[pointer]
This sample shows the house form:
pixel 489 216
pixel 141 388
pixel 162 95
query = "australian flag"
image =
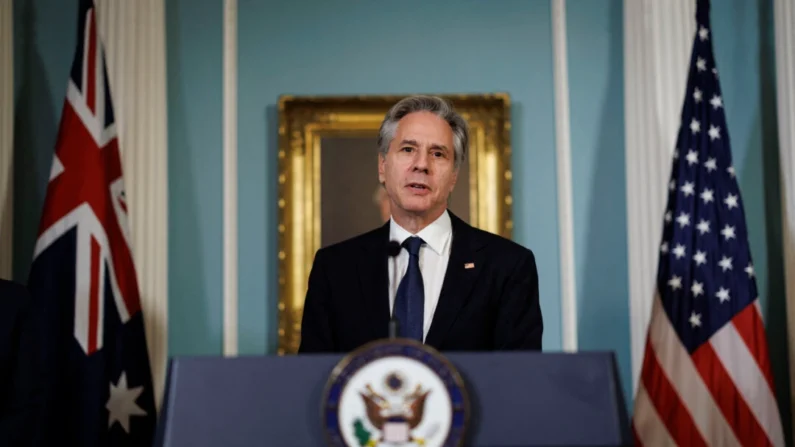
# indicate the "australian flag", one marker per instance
pixel 97 384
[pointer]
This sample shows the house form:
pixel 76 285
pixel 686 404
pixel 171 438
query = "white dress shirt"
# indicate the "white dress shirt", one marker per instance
pixel 434 254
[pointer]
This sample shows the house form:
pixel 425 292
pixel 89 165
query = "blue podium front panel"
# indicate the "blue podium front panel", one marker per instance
pixel 516 399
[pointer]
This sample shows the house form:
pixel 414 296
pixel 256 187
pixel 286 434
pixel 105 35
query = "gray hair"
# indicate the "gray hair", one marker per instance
pixel 438 106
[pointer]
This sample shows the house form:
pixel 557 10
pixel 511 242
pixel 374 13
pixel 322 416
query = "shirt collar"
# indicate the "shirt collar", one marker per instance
pixel 436 235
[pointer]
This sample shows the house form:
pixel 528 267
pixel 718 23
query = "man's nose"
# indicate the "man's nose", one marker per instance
pixel 421 161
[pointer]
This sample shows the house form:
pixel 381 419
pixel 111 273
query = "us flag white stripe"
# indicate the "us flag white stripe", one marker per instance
pixel 650 428
pixel 678 366
pixel 749 380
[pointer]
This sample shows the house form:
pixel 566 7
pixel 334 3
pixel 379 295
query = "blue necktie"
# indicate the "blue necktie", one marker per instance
pixel 410 298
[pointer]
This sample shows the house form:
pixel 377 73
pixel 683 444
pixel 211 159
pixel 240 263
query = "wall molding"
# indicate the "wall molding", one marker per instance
pixel 6 137
pixel 784 12
pixel 230 179
pixel 657 40
pixel 134 39
pixel 568 278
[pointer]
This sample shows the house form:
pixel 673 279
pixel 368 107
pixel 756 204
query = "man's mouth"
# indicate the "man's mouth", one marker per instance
pixel 418 186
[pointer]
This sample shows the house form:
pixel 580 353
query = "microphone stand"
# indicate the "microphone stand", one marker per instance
pixel 393 327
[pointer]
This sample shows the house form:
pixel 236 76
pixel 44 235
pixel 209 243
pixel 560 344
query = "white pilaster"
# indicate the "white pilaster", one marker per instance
pixel 135 46
pixel 784 12
pixel 6 136
pixel 230 178
pixel 657 40
pixel 568 279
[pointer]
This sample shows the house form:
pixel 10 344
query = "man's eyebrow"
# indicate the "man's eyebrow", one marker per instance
pixel 414 143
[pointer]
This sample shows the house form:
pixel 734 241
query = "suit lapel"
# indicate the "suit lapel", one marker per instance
pixel 373 275
pixel 462 270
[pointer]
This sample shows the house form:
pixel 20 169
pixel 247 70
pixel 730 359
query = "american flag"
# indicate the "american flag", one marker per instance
pixel 97 384
pixel 706 376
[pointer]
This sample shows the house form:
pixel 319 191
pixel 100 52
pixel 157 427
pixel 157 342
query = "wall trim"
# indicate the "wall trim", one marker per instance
pixel 568 284
pixel 784 13
pixel 230 179
pixel 6 137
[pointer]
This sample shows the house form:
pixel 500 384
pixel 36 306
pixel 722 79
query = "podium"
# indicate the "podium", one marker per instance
pixel 516 399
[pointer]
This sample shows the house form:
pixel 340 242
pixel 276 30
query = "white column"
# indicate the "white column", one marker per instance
pixel 135 46
pixel 568 278
pixel 6 135
pixel 785 78
pixel 657 40
pixel 230 178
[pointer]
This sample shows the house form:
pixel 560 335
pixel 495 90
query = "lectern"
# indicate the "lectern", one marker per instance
pixel 513 399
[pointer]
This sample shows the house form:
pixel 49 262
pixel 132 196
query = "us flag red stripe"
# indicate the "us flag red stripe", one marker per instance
pixel 706 376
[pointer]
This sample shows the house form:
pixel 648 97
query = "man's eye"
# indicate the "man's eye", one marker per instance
pixel 407 149
pixel 438 154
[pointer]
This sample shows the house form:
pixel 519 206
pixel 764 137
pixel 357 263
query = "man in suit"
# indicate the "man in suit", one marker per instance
pixel 451 286
pixel 19 357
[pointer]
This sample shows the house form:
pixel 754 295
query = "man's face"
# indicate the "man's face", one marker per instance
pixel 418 170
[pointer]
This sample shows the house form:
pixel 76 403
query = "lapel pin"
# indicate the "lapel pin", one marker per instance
pixel 469 265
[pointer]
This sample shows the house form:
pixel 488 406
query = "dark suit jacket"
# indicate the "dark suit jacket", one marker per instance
pixel 19 356
pixel 493 306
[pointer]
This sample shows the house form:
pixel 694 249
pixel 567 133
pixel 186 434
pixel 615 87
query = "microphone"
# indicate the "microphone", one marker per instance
pixel 393 250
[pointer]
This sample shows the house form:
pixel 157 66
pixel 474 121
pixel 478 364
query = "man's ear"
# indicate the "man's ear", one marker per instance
pixel 455 179
pixel 381 167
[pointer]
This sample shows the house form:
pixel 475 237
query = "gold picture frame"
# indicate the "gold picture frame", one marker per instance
pixel 344 123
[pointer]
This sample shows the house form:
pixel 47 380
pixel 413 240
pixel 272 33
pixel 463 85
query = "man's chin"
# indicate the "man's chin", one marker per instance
pixel 416 206
pixel 418 209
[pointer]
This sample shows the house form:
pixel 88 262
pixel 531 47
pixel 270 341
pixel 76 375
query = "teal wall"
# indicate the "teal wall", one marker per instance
pixel 443 46
pixel 194 34
pixel 596 96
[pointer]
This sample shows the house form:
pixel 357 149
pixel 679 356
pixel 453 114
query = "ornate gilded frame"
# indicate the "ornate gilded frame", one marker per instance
pixel 303 121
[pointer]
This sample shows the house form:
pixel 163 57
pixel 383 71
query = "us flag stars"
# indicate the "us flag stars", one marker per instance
pixel 704 232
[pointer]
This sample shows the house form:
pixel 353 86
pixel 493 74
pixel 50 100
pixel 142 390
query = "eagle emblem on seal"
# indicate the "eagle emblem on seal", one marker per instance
pixel 395 417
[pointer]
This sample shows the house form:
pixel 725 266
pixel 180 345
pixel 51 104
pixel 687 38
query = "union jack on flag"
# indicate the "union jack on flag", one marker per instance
pixel 706 376
pixel 98 385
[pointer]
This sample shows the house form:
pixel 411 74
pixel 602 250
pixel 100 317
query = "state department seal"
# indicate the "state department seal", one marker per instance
pixel 395 392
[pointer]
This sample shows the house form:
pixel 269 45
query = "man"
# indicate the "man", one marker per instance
pixel 19 356
pixel 451 286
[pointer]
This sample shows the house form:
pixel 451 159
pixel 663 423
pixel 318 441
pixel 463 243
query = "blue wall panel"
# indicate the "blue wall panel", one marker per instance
pixel 195 175
pixel 596 92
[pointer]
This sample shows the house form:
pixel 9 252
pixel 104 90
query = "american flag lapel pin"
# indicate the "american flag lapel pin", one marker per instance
pixel 469 265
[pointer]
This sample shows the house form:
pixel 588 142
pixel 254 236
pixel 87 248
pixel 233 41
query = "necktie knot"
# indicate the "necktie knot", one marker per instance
pixel 413 245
